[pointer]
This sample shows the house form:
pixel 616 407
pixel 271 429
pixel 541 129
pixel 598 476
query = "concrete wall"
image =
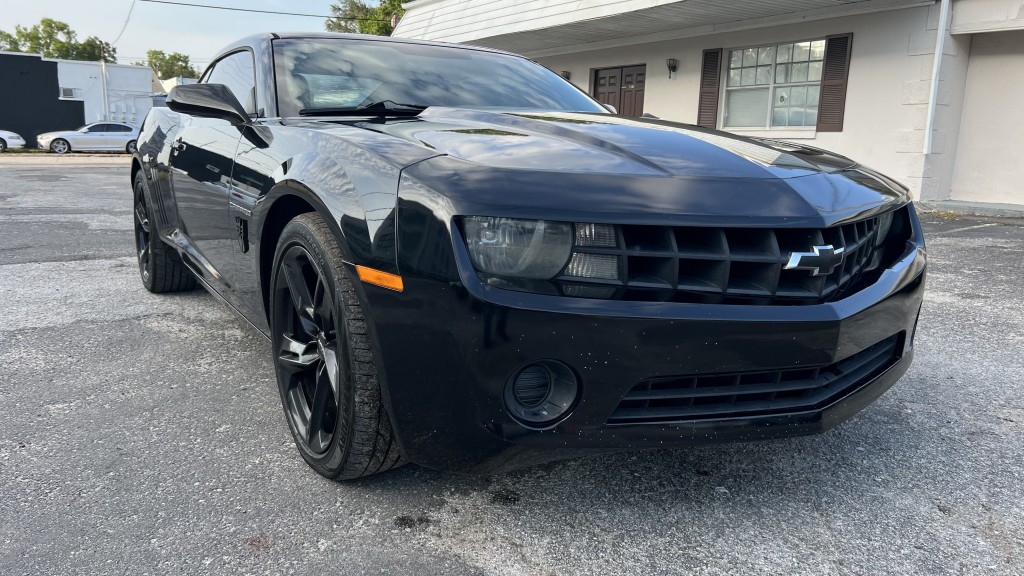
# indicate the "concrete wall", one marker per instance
pixel 990 159
pixel 887 98
pixel 129 90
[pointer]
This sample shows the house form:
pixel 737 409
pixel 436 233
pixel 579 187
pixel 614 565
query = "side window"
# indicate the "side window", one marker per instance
pixel 95 128
pixel 237 72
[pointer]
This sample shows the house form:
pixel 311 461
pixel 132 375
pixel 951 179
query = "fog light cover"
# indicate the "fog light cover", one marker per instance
pixel 600 266
pixel 597 235
pixel 541 393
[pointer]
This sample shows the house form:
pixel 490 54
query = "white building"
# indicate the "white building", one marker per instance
pixel 926 91
pixel 112 92
pixel 166 85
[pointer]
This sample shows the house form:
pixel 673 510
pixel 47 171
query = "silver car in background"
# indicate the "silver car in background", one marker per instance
pixel 96 136
pixel 10 140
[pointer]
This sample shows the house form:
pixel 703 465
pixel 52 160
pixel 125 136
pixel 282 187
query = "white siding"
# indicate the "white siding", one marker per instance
pixel 467 20
pixel 534 26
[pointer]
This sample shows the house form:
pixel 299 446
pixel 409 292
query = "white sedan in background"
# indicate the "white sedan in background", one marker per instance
pixel 96 136
pixel 10 140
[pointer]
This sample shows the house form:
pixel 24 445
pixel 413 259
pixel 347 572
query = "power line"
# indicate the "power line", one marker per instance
pixel 263 11
pixel 126 19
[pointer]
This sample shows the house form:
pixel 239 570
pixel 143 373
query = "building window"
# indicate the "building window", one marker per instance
pixel 774 86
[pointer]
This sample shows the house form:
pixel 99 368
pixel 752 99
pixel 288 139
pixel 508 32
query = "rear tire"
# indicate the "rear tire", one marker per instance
pixel 130 148
pixel 3 146
pixel 324 359
pixel 160 266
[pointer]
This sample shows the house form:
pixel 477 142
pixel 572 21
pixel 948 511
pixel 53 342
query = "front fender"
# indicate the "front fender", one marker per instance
pixel 354 190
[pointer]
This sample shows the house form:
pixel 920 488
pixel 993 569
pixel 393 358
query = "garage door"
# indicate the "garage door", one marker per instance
pixel 988 157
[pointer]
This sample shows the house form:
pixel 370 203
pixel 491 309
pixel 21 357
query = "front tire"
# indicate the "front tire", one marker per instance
pixel 60 146
pixel 160 267
pixel 325 364
pixel 3 146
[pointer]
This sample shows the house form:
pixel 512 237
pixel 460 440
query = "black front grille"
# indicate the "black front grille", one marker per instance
pixel 714 265
pixel 686 398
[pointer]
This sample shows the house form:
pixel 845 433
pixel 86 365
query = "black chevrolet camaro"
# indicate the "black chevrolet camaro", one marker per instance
pixel 463 261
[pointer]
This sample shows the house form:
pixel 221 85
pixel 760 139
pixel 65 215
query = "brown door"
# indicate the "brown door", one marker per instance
pixel 622 88
pixel 607 85
pixel 632 95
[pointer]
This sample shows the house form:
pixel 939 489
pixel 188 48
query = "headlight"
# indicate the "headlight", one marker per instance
pixel 512 247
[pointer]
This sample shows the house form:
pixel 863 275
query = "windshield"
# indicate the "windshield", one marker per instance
pixel 338 73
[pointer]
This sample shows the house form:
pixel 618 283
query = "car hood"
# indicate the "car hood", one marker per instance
pixel 604 143
pixel 624 169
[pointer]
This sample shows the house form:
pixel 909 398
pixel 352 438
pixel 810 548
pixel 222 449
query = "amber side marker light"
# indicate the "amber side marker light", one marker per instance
pixel 378 278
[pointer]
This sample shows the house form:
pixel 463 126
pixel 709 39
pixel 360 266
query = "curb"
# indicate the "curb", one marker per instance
pixel 962 208
pixel 65 160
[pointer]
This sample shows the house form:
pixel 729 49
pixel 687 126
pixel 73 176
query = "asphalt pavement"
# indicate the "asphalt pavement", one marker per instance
pixel 143 434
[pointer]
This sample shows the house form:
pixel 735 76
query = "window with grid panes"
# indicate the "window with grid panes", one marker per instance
pixel 775 86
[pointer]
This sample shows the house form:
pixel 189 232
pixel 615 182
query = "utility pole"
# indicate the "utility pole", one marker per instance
pixel 103 82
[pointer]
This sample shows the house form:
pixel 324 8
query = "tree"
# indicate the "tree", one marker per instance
pixel 170 65
pixel 349 9
pixel 9 42
pixel 92 48
pixel 55 39
pixel 355 16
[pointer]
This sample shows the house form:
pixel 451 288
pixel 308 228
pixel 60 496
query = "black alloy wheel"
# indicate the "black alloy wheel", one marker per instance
pixel 324 359
pixel 308 351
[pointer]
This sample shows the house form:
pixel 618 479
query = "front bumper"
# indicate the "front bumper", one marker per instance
pixel 449 348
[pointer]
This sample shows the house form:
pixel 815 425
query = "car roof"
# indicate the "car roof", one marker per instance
pixel 255 40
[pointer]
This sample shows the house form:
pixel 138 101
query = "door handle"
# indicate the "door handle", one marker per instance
pixel 178 145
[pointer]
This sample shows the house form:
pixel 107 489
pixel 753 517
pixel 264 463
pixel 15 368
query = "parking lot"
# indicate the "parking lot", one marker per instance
pixel 143 434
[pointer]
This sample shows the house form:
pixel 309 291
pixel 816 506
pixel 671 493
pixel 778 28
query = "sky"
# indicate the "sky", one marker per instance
pixel 198 32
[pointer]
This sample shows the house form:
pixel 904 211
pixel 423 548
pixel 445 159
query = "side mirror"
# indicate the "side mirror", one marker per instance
pixel 610 108
pixel 207 101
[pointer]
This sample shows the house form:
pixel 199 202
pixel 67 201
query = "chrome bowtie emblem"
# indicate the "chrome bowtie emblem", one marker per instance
pixel 821 261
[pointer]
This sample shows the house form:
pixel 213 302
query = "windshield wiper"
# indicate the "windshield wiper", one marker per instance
pixel 381 108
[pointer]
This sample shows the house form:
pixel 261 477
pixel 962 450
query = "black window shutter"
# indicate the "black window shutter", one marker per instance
pixel 710 82
pixel 834 79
